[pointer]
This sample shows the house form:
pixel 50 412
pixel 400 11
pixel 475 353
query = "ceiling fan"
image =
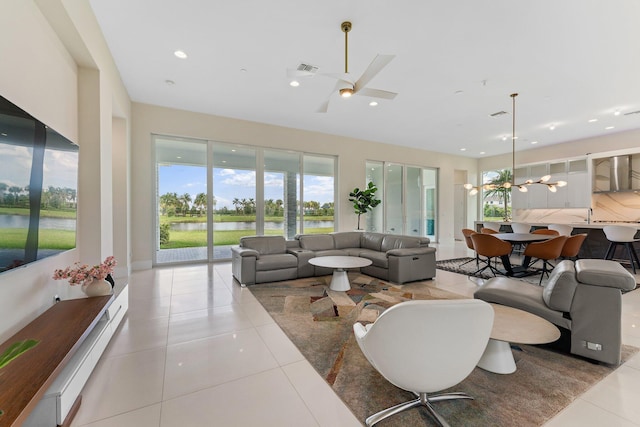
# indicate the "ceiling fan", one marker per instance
pixel 347 87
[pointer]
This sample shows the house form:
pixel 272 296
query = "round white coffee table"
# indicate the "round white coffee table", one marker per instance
pixel 340 280
pixel 511 325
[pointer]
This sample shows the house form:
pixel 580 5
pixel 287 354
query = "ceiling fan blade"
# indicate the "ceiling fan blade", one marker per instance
pixel 378 63
pixel 376 93
pixel 343 77
pixel 325 105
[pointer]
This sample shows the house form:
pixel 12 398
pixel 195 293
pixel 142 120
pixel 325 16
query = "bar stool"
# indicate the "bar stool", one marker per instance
pixel 520 227
pixel 495 226
pixel 622 235
pixel 563 229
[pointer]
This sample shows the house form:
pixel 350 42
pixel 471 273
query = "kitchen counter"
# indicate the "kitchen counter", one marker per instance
pixel 593 224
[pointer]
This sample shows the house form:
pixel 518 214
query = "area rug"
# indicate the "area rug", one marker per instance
pixel 461 266
pixel 319 322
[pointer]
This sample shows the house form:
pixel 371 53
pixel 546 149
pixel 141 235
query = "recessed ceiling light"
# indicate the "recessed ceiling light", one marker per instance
pixel 552 127
pixel 294 83
pixel 169 82
pixel 233 150
pixel 180 54
pixel 224 161
pixel 178 157
pixel 463 149
pixel 609 127
pixel 593 120
pixel 616 113
pixel 504 138
pixel 373 103
pixel 534 142
pixel 482 152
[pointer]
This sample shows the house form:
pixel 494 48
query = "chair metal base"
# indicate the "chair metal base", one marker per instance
pixel 423 400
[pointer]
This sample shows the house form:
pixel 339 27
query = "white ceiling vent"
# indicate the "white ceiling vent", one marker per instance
pixel 499 113
pixel 307 68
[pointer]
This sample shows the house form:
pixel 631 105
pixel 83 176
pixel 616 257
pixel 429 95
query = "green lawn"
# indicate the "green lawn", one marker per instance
pixel 15 238
pixel 233 218
pixel 190 239
pixel 69 214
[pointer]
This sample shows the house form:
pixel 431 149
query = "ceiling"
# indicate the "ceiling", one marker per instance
pixel 456 63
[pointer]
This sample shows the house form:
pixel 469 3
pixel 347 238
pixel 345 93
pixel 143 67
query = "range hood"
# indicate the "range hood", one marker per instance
pixel 616 174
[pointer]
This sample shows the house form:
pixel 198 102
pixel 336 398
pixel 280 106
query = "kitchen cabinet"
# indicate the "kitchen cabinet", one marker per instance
pixel 576 194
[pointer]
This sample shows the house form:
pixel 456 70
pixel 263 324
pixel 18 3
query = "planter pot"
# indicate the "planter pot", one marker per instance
pixel 96 288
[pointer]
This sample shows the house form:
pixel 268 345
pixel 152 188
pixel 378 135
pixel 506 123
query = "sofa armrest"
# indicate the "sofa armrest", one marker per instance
pixel 245 251
pixel 304 255
pixel 410 251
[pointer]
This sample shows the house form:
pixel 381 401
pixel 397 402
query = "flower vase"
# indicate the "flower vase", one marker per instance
pixel 97 287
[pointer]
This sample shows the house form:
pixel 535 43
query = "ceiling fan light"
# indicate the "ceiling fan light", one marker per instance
pixel 346 92
pixel 561 183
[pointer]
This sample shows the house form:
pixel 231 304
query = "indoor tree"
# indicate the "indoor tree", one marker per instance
pixel 364 200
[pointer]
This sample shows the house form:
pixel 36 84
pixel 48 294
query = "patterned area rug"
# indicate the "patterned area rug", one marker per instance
pixel 467 266
pixel 319 322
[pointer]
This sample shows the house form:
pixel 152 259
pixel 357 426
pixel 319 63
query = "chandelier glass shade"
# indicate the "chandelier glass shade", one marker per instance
pixel 522 187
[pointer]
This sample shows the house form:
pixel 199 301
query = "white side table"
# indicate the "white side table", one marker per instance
pixel 340 280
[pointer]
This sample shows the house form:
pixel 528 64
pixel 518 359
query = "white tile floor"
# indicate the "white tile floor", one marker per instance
pixel 196 349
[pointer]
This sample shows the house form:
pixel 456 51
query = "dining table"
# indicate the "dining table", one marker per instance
pixel 521 238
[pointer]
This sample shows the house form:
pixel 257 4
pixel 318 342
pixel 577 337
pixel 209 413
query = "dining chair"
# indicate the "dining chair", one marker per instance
pixel 563 229
pixel 425 360
pixel 572 246
pixel 467 232
pixel 545 252
pixel 490 247
pixel 545 231
pixel 625 236
pixel 484 230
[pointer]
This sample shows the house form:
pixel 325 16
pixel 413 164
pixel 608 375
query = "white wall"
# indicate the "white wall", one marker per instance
pixel 40 49
pixel 352 155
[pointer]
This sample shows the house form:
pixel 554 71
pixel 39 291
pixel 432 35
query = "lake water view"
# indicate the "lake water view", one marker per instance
pixel 248 225
pixel 22 221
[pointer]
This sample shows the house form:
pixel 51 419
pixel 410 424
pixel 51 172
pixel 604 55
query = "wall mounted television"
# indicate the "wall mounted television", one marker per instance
pixel 38 189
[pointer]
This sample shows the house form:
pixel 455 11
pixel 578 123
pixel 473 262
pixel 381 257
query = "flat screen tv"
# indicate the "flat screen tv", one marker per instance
pixel 38 189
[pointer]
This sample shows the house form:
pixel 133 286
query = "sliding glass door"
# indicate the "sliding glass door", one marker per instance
pixel 409 199
pixel 210 194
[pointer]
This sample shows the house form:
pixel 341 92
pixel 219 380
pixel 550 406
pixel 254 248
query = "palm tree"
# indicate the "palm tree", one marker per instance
pixel 200 202
pixel 502 193
pixel 185 199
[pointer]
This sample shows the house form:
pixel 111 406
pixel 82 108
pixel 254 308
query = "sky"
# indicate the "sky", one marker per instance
pixel 60 167
pixel 235 183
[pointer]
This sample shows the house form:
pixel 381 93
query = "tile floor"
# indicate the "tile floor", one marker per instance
pixel 196 349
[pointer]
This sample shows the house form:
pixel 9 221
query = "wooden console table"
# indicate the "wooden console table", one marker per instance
pixel 61 332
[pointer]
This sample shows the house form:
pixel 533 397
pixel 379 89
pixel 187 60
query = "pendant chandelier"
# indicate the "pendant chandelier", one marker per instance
pixel 523 187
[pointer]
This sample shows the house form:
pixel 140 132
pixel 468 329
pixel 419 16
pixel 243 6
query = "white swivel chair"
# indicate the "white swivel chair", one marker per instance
pixel 426 346
pixel 520 227
pixel 622 235
pixel 495 226
pixel 563 229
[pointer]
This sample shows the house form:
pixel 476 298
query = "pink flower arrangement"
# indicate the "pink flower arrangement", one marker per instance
pixel 83 274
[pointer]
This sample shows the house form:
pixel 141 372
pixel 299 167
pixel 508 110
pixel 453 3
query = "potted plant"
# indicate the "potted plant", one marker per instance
pixel 364 200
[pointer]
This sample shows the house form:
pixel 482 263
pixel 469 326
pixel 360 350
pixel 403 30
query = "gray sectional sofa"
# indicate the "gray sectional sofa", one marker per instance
pixel 399 259
pixel 583 299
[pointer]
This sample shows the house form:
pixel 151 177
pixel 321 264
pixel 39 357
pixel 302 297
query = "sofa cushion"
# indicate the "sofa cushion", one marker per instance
pixel 276 262
pixel 561 286
pixel 398 242
pixel 371 241
pixel 346 239
pixel 316 242
pixel 600 272
pixel 521 295
pixel 332 252
pixel 265 245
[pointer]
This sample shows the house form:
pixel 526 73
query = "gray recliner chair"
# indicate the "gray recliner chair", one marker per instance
pixel 584 299
pixel 263 259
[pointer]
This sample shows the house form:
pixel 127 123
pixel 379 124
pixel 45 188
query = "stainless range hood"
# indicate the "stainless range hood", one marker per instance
pixel 616 174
